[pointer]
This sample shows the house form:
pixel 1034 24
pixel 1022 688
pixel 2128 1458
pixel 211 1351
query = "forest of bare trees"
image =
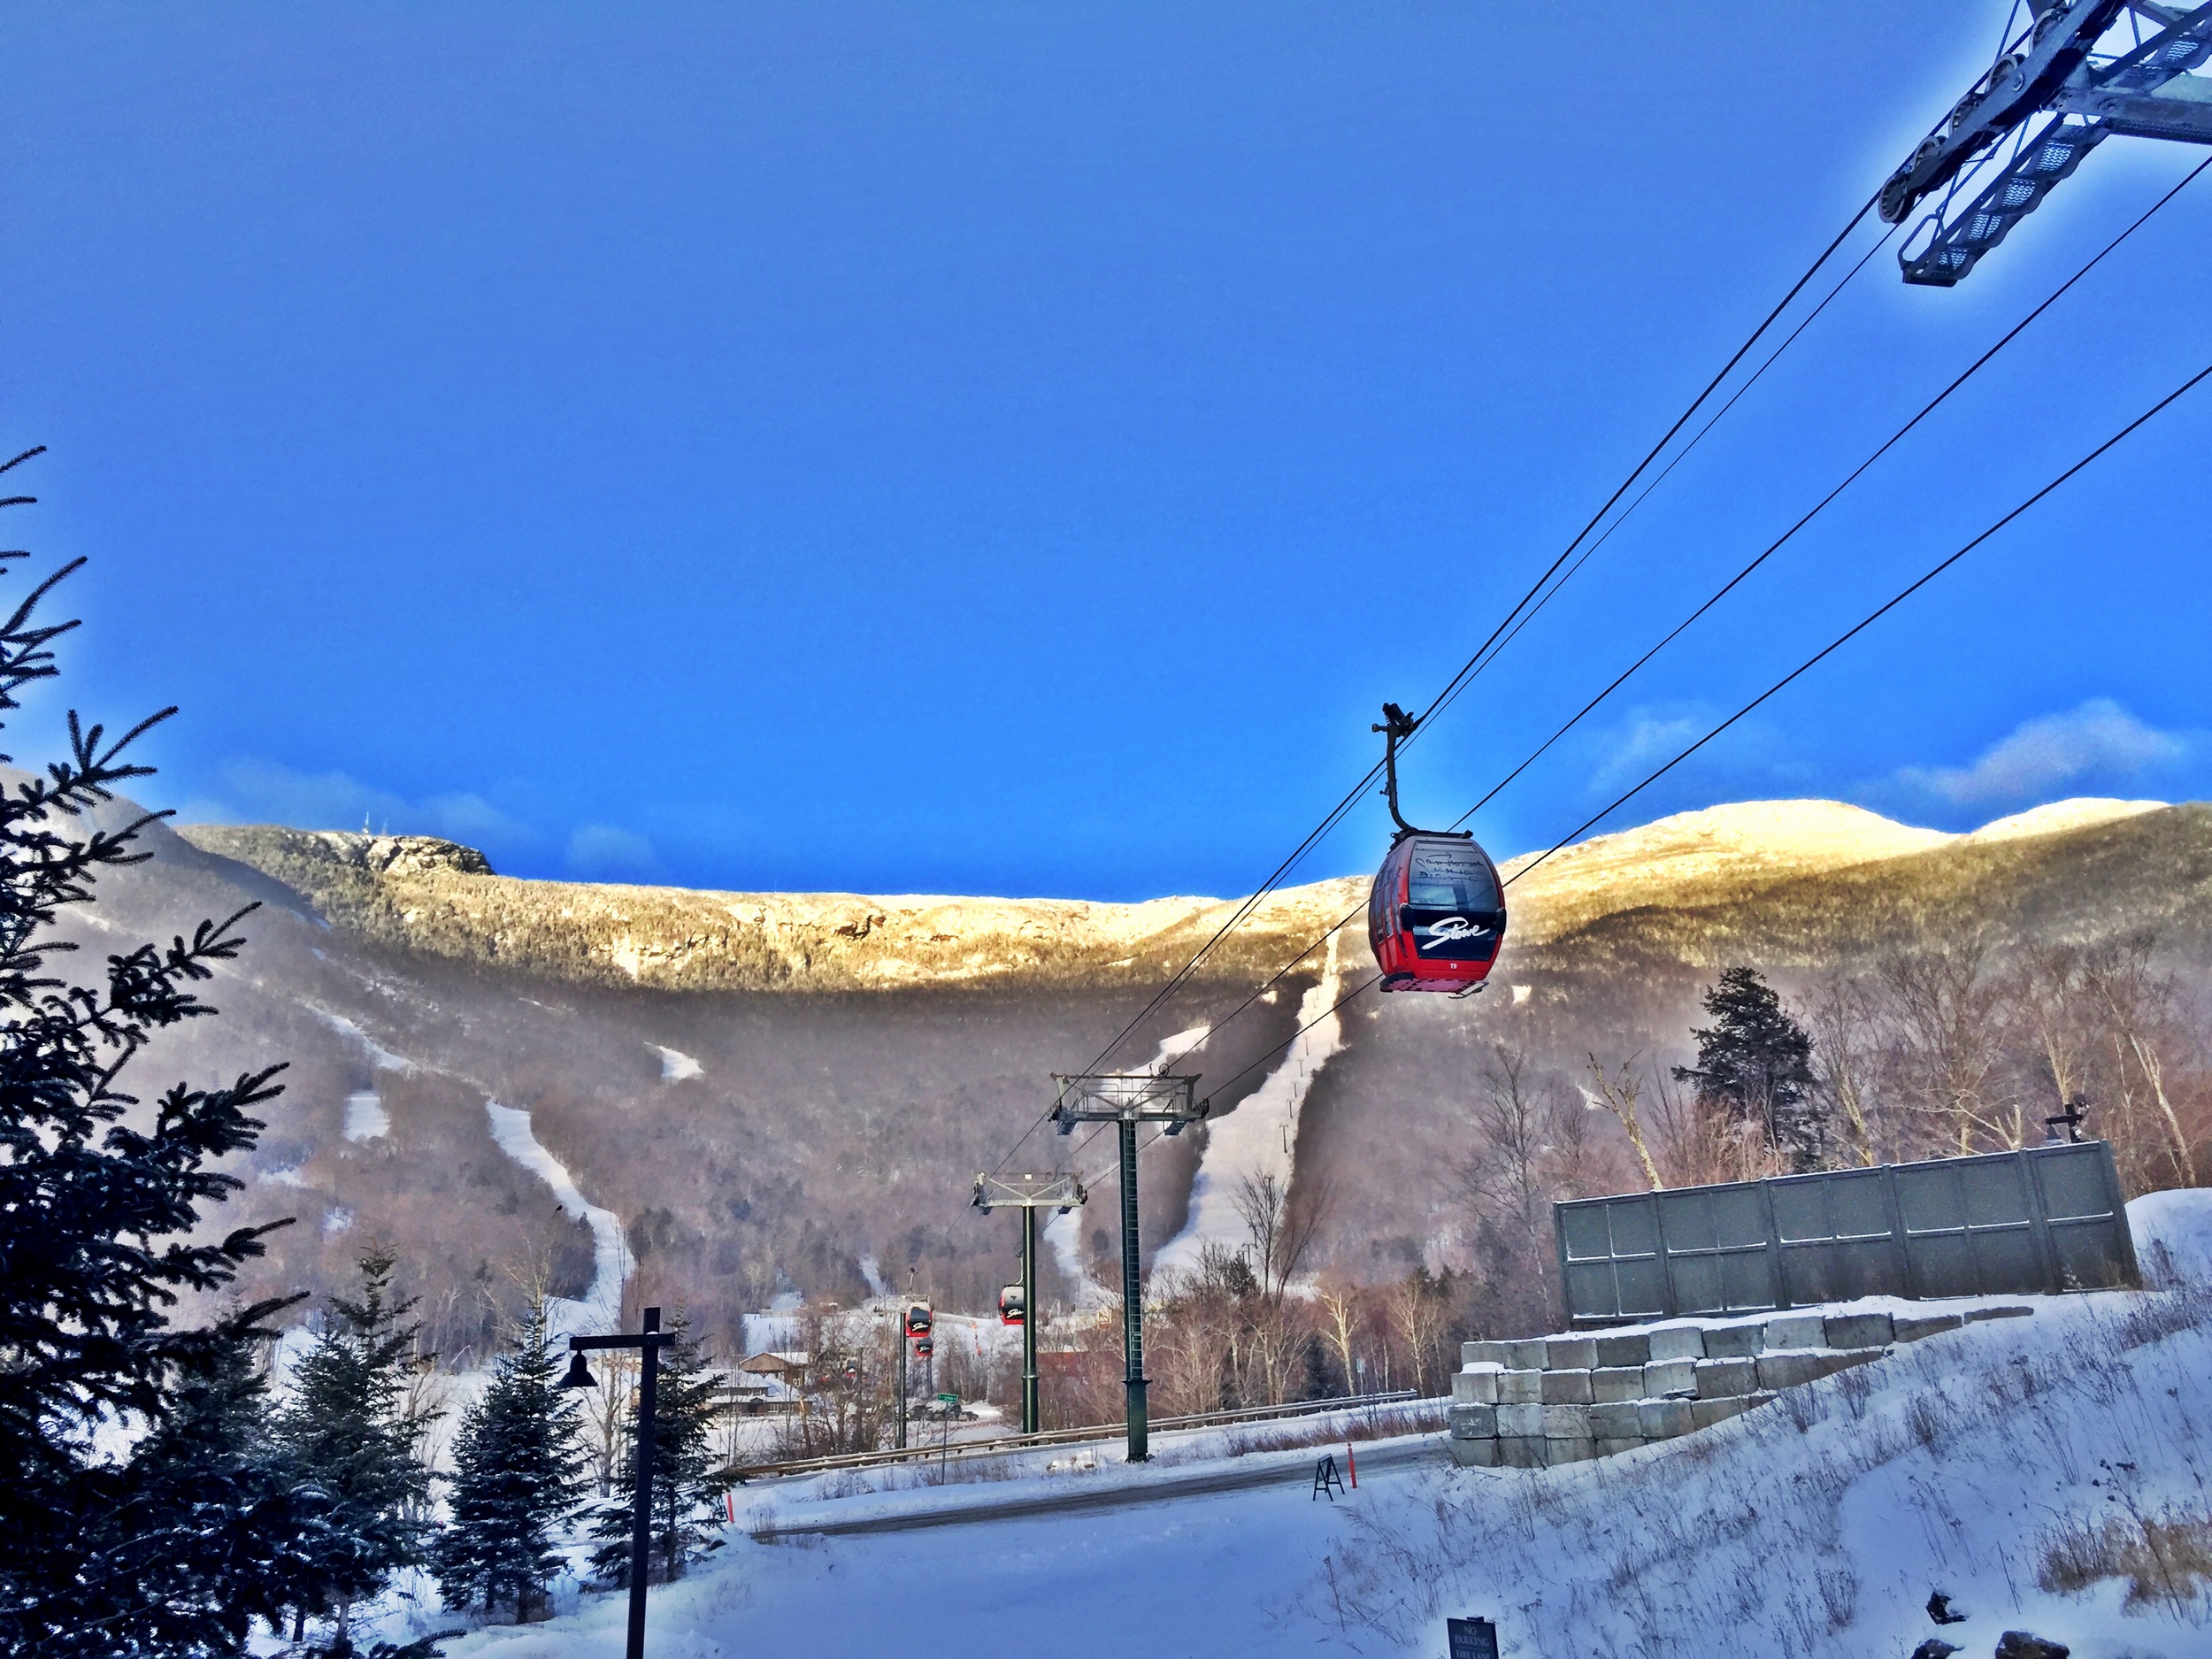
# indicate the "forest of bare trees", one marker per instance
pixel 1947 1050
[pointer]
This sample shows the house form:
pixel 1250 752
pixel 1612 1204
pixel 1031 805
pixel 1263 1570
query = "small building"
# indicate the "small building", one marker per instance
pixel 766 1385
pixel 783 1367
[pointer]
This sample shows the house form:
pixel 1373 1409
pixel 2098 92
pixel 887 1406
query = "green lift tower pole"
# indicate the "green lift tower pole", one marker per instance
pixel 1127 1099
pixel 898 1338
pixel 1030 1413
pixel 1132 1300
pixel 1029 1194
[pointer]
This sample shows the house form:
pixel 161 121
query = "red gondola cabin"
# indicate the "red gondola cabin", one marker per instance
pixel 1011 1309
pixel 923 1347
pixel 918 1320
pixel 1437 914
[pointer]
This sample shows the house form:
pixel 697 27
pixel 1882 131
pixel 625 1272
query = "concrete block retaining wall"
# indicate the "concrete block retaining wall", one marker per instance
pixel 1544 1400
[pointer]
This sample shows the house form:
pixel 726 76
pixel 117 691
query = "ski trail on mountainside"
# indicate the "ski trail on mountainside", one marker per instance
pixel 1261 1136
pixel 1063 1234
pixel 601 1304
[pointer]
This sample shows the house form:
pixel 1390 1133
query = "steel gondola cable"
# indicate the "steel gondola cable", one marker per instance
pixel 1673 461
pixel 1475 663
pixel 1795 674
pixel 1871 617
pixel 1744 572
pixel 1849 479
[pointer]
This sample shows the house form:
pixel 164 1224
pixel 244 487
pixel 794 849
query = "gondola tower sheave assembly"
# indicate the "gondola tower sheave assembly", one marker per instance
pixel 2077 72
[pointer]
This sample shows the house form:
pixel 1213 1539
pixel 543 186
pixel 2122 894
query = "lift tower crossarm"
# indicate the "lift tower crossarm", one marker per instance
pixel 2148 93
pixel 1127 1099
pixel 2145 92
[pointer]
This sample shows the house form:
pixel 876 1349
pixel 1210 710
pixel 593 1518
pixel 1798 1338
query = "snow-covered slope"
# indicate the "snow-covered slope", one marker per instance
pixel 2061 816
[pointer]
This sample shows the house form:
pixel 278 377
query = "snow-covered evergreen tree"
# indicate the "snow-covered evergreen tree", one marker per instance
pixel 517 1477
pixel 241 1533
pixel 687 1495
pixel 158 1549
pixel 347 1431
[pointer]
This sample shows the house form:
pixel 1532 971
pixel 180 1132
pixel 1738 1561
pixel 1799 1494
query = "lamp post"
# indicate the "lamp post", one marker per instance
pixel 649 1341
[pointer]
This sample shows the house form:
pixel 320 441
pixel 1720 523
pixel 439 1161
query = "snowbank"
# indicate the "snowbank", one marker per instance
pixel 1994 1463
pixel 2173 1236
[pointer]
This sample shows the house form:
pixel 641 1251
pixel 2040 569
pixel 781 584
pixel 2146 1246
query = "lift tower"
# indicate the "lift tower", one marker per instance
pixel 2077 72
pixel 1029 1194
pixel 1126 1099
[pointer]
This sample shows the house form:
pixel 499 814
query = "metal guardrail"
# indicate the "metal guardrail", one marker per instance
pixel 951 1450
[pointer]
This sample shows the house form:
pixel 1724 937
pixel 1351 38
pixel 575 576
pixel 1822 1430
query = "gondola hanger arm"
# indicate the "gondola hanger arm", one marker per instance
pixel 1398 724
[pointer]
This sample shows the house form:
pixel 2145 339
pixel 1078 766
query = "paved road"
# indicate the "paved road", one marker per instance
pixel 1393 1456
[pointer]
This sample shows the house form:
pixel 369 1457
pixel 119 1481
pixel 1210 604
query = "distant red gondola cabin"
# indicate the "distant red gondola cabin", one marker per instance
pixel 923 1347
pixel 1437 914
pixel 1011 1309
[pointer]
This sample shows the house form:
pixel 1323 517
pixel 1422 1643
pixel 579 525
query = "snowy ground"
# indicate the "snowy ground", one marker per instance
pixel 1815 1526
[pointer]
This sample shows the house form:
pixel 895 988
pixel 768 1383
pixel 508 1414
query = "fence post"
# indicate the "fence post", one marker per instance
pixel 2039 1220
pixel 1900 1242
pixel 1780 1284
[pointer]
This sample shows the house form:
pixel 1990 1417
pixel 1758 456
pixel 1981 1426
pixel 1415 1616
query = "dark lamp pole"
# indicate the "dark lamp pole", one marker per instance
pixel 649 1341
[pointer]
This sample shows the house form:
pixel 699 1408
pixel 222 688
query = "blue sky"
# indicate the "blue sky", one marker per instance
pixel 1014 449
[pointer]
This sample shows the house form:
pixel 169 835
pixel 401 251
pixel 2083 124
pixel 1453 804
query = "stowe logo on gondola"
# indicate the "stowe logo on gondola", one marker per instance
pixel 1452 936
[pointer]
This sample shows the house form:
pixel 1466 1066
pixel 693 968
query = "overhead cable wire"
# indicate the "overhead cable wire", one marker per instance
pixel 1872 617
pixel 1741 575
pixel 1474 663
pixel 1852 477
pixel 1795 674
pixel 1676 460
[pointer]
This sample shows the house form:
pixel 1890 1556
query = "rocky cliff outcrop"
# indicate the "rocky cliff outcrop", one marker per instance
pixel 418 894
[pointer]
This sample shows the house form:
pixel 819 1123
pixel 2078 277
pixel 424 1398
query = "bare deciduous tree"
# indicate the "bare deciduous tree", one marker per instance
pixel 1948 1014
pixel 1419 1306
pixel 1280 1225
pixel 1618 1095
pixel 2136 1003
pixel 1343 1313
pixel 1845 1025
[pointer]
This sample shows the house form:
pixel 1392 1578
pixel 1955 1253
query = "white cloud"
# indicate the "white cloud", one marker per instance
pixel 1648 741
pixel 2098 743
pixel 601 852
pixel 250 789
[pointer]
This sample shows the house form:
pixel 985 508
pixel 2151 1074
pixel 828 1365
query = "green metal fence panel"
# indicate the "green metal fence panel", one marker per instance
pixel 2045 1219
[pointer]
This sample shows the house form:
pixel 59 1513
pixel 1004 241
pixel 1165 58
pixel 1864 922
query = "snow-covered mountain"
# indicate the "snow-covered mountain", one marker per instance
pixel 766 1091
